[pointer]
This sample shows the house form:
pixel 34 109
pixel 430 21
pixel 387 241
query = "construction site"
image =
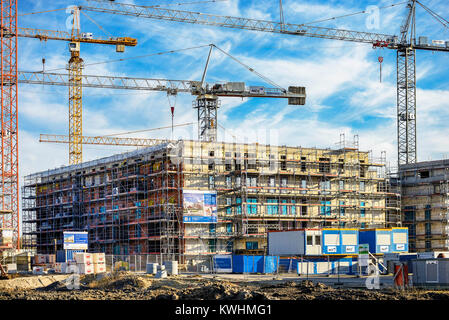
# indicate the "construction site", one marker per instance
pixel 136 203
pixel 211 218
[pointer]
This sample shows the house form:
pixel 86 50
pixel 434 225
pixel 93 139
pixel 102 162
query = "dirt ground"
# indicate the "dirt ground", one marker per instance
pixel 127 286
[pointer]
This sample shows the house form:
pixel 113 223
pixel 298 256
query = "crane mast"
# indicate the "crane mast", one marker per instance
pixel 406 90
pixel 9 166
pixel 75 68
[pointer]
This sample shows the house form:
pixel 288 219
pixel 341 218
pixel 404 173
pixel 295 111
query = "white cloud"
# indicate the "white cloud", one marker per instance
pixel 327 69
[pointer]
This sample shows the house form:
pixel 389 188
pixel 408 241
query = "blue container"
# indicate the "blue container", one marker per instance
pixel 379 240
pixel 399 240
pixel 254 264
pixel 340 241
pixel 66 255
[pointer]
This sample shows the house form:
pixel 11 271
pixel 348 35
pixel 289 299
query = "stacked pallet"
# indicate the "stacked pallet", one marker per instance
pixel 90 263
pixel 40 259
pixel 99 261
pixel 22 261
pixel 171 267
pixel 84 262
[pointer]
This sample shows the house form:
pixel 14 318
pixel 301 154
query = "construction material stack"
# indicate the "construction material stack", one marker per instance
pixel 6 238
pixel 43 262
pixel 152 268
pixel 99 262
pixel 171 267
pixel 84 262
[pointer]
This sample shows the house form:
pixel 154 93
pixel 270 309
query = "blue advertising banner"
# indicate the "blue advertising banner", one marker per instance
pixel 200 206
pixel 75 240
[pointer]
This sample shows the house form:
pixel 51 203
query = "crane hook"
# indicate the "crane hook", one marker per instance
pixel 380 59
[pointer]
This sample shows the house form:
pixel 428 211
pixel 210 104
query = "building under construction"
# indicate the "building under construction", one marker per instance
pixel 425 204
pixel 190 198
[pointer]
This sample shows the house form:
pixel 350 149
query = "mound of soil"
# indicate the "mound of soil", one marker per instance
pixel 220 291
pixel 128 286
pixel 121 281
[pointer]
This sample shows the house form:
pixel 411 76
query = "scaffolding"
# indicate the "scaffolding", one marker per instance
pixel 425 204
pixel 133 203
pixel 128 204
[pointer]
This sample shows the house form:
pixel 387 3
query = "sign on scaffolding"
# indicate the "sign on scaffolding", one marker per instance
pixel 74 240
pixel 199 206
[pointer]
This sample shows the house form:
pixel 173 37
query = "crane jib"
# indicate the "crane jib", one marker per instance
pixel 295 94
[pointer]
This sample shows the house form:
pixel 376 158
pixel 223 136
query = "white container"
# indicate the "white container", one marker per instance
pixel 171 267
pixel 83 258
pixel 152 268
pixel 294 242
pixel 98 257
pixel 99 267
pixel 85 268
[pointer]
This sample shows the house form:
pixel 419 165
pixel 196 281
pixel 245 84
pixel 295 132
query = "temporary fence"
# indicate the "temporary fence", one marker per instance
pixel 138 263
pixel 244 264
pixel 133 263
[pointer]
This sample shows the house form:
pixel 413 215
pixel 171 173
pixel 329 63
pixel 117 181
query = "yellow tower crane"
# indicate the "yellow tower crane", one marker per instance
pixel 75 67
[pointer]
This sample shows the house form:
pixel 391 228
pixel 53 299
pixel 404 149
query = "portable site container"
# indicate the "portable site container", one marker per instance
pixel 379 240
pixel 324 266
pixel 298 242
pixel 433 254
pixel 431 272
pixel 399 239
pixel 340 241
pixel 254 264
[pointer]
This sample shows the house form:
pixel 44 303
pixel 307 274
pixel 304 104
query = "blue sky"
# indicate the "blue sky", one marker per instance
pixel 342 78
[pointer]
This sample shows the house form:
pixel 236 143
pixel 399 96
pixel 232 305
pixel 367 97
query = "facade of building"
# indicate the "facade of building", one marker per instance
pixel 190 198
pixel 425 204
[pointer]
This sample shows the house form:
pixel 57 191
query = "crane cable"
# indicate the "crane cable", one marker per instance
pixel 167 4
pixel 183 3
pixel 102 29
pixel 155 6
pixel 138 57
pixel 25 14
pixel 146 130
pixel 249 68
pixel 352 14
pixel 435 15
